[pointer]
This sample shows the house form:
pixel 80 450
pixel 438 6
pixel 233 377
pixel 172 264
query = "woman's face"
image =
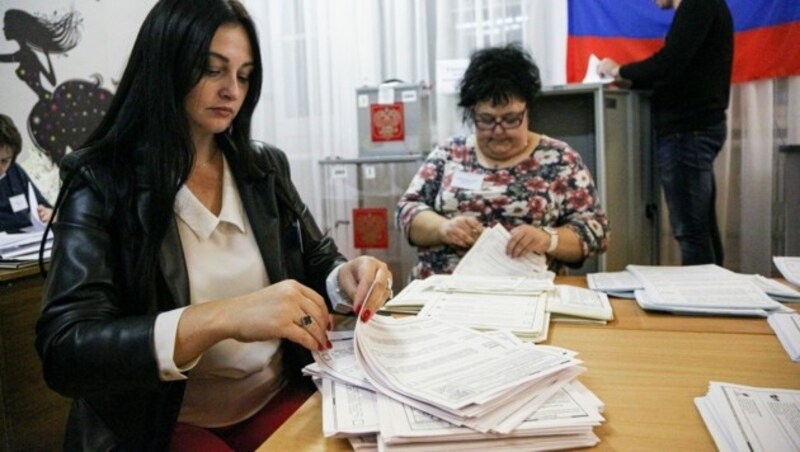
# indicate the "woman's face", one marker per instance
pixel 215 101
pixel 501 130
pixel 6 158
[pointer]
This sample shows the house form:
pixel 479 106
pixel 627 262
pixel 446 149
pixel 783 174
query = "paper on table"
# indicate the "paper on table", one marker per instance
pixel 706 287
pixel 789 268
pixel 776 290
pixel 488 257
pixel 347 410
pixel 592 76
pixel 580 302
pixel 524 315
pixel 751 418
pixel 787 328
pixel 445 365
pixel 623 281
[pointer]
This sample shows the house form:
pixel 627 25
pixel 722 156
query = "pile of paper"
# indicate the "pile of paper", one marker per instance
pixel 617 284
pixel 424 384
pixel 22 249
pixel 751 419
pixel 789 268
pixel 624 284
pixel 787 328
pixel 572 304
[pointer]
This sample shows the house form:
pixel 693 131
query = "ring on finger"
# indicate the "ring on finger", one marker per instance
pixel 305 321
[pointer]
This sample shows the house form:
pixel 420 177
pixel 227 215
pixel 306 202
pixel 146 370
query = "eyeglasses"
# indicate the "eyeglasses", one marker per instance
pixel 507 122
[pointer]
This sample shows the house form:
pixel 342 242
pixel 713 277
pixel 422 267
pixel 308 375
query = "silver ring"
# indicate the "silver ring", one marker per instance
pixel 306 320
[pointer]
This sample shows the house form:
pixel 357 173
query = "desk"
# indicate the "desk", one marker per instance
pixel 648 379
pixel 32 417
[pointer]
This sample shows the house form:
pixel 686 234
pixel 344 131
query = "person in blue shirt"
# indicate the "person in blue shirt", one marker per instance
pixel 14 208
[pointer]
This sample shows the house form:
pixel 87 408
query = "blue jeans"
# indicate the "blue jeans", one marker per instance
pixel 685 160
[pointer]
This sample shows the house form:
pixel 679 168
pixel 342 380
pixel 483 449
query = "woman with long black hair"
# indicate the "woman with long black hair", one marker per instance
pixel 185 268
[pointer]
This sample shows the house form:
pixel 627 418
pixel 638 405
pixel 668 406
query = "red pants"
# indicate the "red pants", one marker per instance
pixel 247 435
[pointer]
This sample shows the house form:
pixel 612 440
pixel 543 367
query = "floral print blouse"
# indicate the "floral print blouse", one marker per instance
pixel 552 187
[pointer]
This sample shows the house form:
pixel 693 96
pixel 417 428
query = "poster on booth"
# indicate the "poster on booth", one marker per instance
pixel 370 228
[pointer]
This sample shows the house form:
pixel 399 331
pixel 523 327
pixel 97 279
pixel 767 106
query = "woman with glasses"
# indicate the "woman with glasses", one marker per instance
pixel 535 186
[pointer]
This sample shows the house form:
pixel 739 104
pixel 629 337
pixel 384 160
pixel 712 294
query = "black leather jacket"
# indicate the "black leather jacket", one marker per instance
pixel 95 334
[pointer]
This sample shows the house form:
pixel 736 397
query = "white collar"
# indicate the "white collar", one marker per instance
pixel 199 219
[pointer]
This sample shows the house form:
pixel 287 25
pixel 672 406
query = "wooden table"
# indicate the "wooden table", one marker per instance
pixel 32 417
pixel 647 368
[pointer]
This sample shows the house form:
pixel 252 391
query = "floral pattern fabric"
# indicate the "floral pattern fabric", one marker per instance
pixel 552 187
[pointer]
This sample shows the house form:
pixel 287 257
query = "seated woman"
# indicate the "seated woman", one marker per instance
pixel 15 213
pixel 535 186
pixel 188 279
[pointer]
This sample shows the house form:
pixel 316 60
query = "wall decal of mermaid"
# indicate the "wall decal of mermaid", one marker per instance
pixel 64 116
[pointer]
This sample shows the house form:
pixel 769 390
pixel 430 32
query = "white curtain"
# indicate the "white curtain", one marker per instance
pixel 317 52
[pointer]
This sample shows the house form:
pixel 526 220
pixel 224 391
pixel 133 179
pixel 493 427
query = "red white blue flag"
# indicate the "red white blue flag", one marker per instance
pixel 766 40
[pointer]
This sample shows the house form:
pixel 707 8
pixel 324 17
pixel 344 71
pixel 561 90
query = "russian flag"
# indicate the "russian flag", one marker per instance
pixel 766 39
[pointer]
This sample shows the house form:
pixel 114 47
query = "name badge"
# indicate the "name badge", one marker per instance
pixel 18 203
pixel 468 181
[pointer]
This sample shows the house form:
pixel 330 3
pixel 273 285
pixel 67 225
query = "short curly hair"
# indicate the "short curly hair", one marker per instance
pixel 499 75
pixel 9 136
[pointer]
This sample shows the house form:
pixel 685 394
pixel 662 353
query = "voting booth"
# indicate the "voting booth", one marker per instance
pixel 611 129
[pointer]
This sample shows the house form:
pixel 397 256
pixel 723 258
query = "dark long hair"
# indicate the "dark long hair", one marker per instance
pixel 147 127
pixel 499 74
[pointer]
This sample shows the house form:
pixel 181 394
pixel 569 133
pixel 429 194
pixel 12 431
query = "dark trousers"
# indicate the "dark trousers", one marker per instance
pixel 686 163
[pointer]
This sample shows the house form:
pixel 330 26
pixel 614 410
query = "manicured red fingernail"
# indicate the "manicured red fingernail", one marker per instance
pixel 322 348
pixel 330 326
pixel 357 309
pixel 330 346
pixel 366 315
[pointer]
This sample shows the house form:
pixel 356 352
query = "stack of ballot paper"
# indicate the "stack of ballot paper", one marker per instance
pixel 789 268
pixel 787 328
pixel 578 305
pixel 424 384
pixel 514 303
pixel 414 296
pixel 616 284
pixel 22 249
pixel 746 418
pixel 701 289
pixel 624 284
pixel 776 290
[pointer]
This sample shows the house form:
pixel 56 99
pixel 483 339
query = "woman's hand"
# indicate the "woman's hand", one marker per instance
pixel 286 309
pixel 44 213
pixel 527 239
pixel 368 282
pixel 461 232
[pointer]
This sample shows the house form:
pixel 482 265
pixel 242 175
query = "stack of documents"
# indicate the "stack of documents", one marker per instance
pixel 616 284
pixel 748 418
pixel 789 268
pixel 514 303
pixel 776 290
pixel 701 289
pixel 22 249
pixel 787 328
pixel 572 304
pixel 624 284
pixel 423 384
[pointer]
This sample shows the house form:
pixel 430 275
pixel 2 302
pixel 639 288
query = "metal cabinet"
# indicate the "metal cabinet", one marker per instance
pixel 369 183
